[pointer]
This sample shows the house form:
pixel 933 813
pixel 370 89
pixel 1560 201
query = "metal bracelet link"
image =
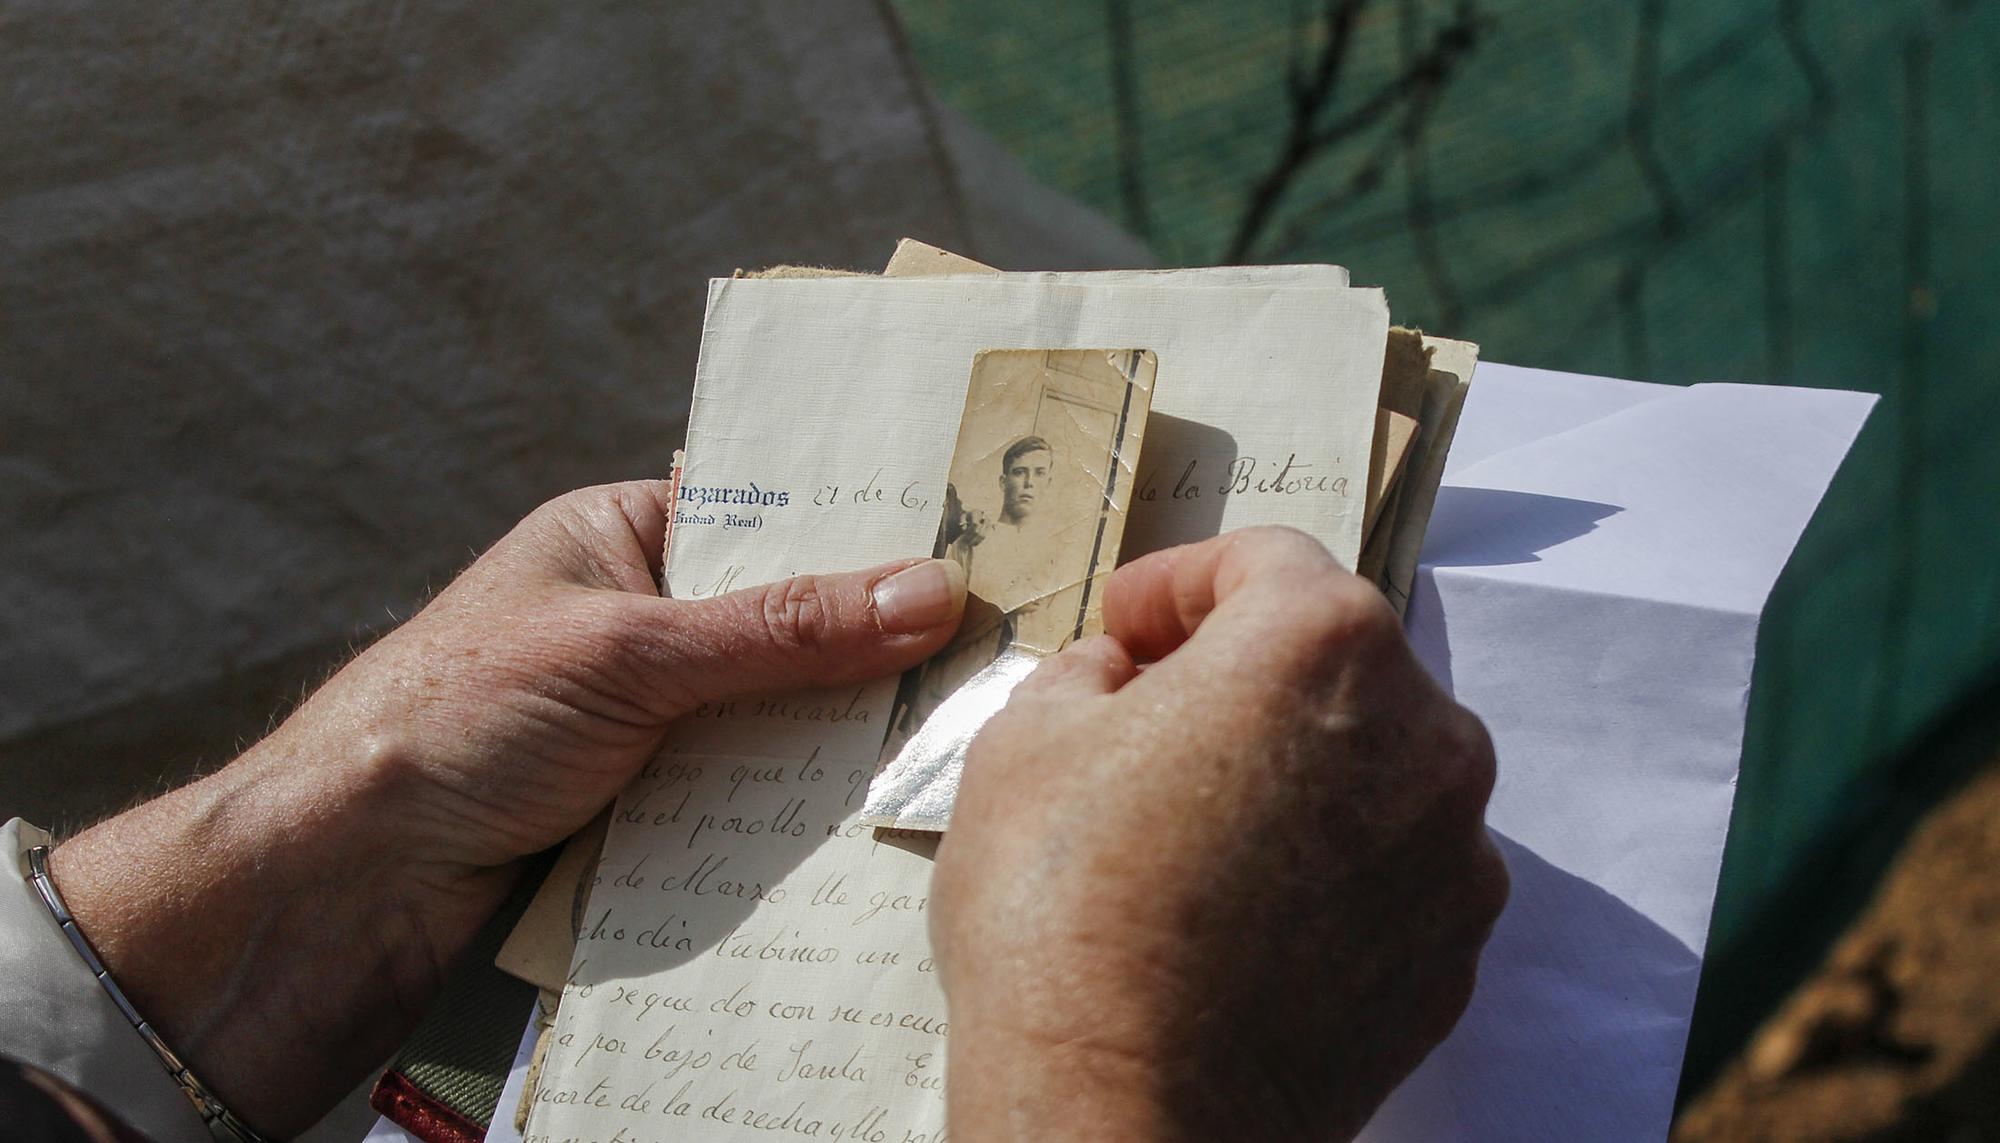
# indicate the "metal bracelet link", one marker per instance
pixel 222 1123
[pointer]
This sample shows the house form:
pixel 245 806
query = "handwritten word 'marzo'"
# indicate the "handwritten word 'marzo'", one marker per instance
pixel 701 496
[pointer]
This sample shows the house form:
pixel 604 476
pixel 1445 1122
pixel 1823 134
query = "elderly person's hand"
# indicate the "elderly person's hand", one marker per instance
pixel 284 920
pixel 1236 895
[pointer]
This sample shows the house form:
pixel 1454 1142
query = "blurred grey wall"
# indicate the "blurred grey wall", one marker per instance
pixel 301 306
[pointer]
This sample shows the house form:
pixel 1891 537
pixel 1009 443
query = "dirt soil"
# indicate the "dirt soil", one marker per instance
pixel 1897 1036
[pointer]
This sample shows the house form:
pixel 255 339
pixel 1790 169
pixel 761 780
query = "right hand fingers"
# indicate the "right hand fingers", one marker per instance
pixel 1267 592
pixel 1263 610
pixel 1096 666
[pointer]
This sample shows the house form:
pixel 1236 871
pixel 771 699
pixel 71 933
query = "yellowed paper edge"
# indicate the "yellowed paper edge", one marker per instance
pixel 1453 364
pixel 539 948
pixel 1395 433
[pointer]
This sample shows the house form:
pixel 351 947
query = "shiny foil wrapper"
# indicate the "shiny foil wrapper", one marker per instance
pixel 917 789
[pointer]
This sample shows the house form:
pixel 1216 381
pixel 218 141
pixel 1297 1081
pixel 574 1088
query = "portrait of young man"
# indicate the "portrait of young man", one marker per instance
pixel 1032 480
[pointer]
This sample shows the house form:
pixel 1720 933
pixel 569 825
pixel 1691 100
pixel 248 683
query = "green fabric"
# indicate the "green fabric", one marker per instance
pixel 461 1052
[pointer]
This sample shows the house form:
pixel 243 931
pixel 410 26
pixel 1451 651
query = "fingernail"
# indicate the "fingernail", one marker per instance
pixel 921 597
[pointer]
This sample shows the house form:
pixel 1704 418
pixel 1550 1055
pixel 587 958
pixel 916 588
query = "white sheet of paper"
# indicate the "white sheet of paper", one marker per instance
pixel 386 1130
pixel 751 959
pixel 917 259
pixel 1592 583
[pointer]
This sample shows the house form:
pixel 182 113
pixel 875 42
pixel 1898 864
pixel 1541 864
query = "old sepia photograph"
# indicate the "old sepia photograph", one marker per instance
pixel 1035 506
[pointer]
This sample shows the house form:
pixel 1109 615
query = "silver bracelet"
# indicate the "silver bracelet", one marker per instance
pixel 222 1123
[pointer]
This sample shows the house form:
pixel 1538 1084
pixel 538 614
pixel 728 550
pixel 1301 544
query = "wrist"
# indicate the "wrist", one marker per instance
pixel 1011 1086
pixel 257 920
pixel 1120 1052
pixel 1046 1062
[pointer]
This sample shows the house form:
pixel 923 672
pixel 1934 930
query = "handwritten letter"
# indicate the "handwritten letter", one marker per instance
pixel 753 962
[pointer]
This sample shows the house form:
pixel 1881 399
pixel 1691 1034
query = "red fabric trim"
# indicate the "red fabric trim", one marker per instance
pixel 411 1108
pixel 673 509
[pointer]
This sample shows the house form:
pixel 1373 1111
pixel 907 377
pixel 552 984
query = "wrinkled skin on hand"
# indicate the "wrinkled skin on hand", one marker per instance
pixel 285 920
pixel 534 687
pixel 1239 894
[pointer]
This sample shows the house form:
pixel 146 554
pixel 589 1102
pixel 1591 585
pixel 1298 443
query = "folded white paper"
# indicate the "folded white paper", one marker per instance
pixel 1591 587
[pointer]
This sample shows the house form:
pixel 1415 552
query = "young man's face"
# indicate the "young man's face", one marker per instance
pixel 1026 478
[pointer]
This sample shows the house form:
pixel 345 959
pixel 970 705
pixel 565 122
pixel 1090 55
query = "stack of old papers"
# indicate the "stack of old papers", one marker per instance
pixel 751 956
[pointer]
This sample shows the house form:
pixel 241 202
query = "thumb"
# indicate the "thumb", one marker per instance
pixel 807 631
